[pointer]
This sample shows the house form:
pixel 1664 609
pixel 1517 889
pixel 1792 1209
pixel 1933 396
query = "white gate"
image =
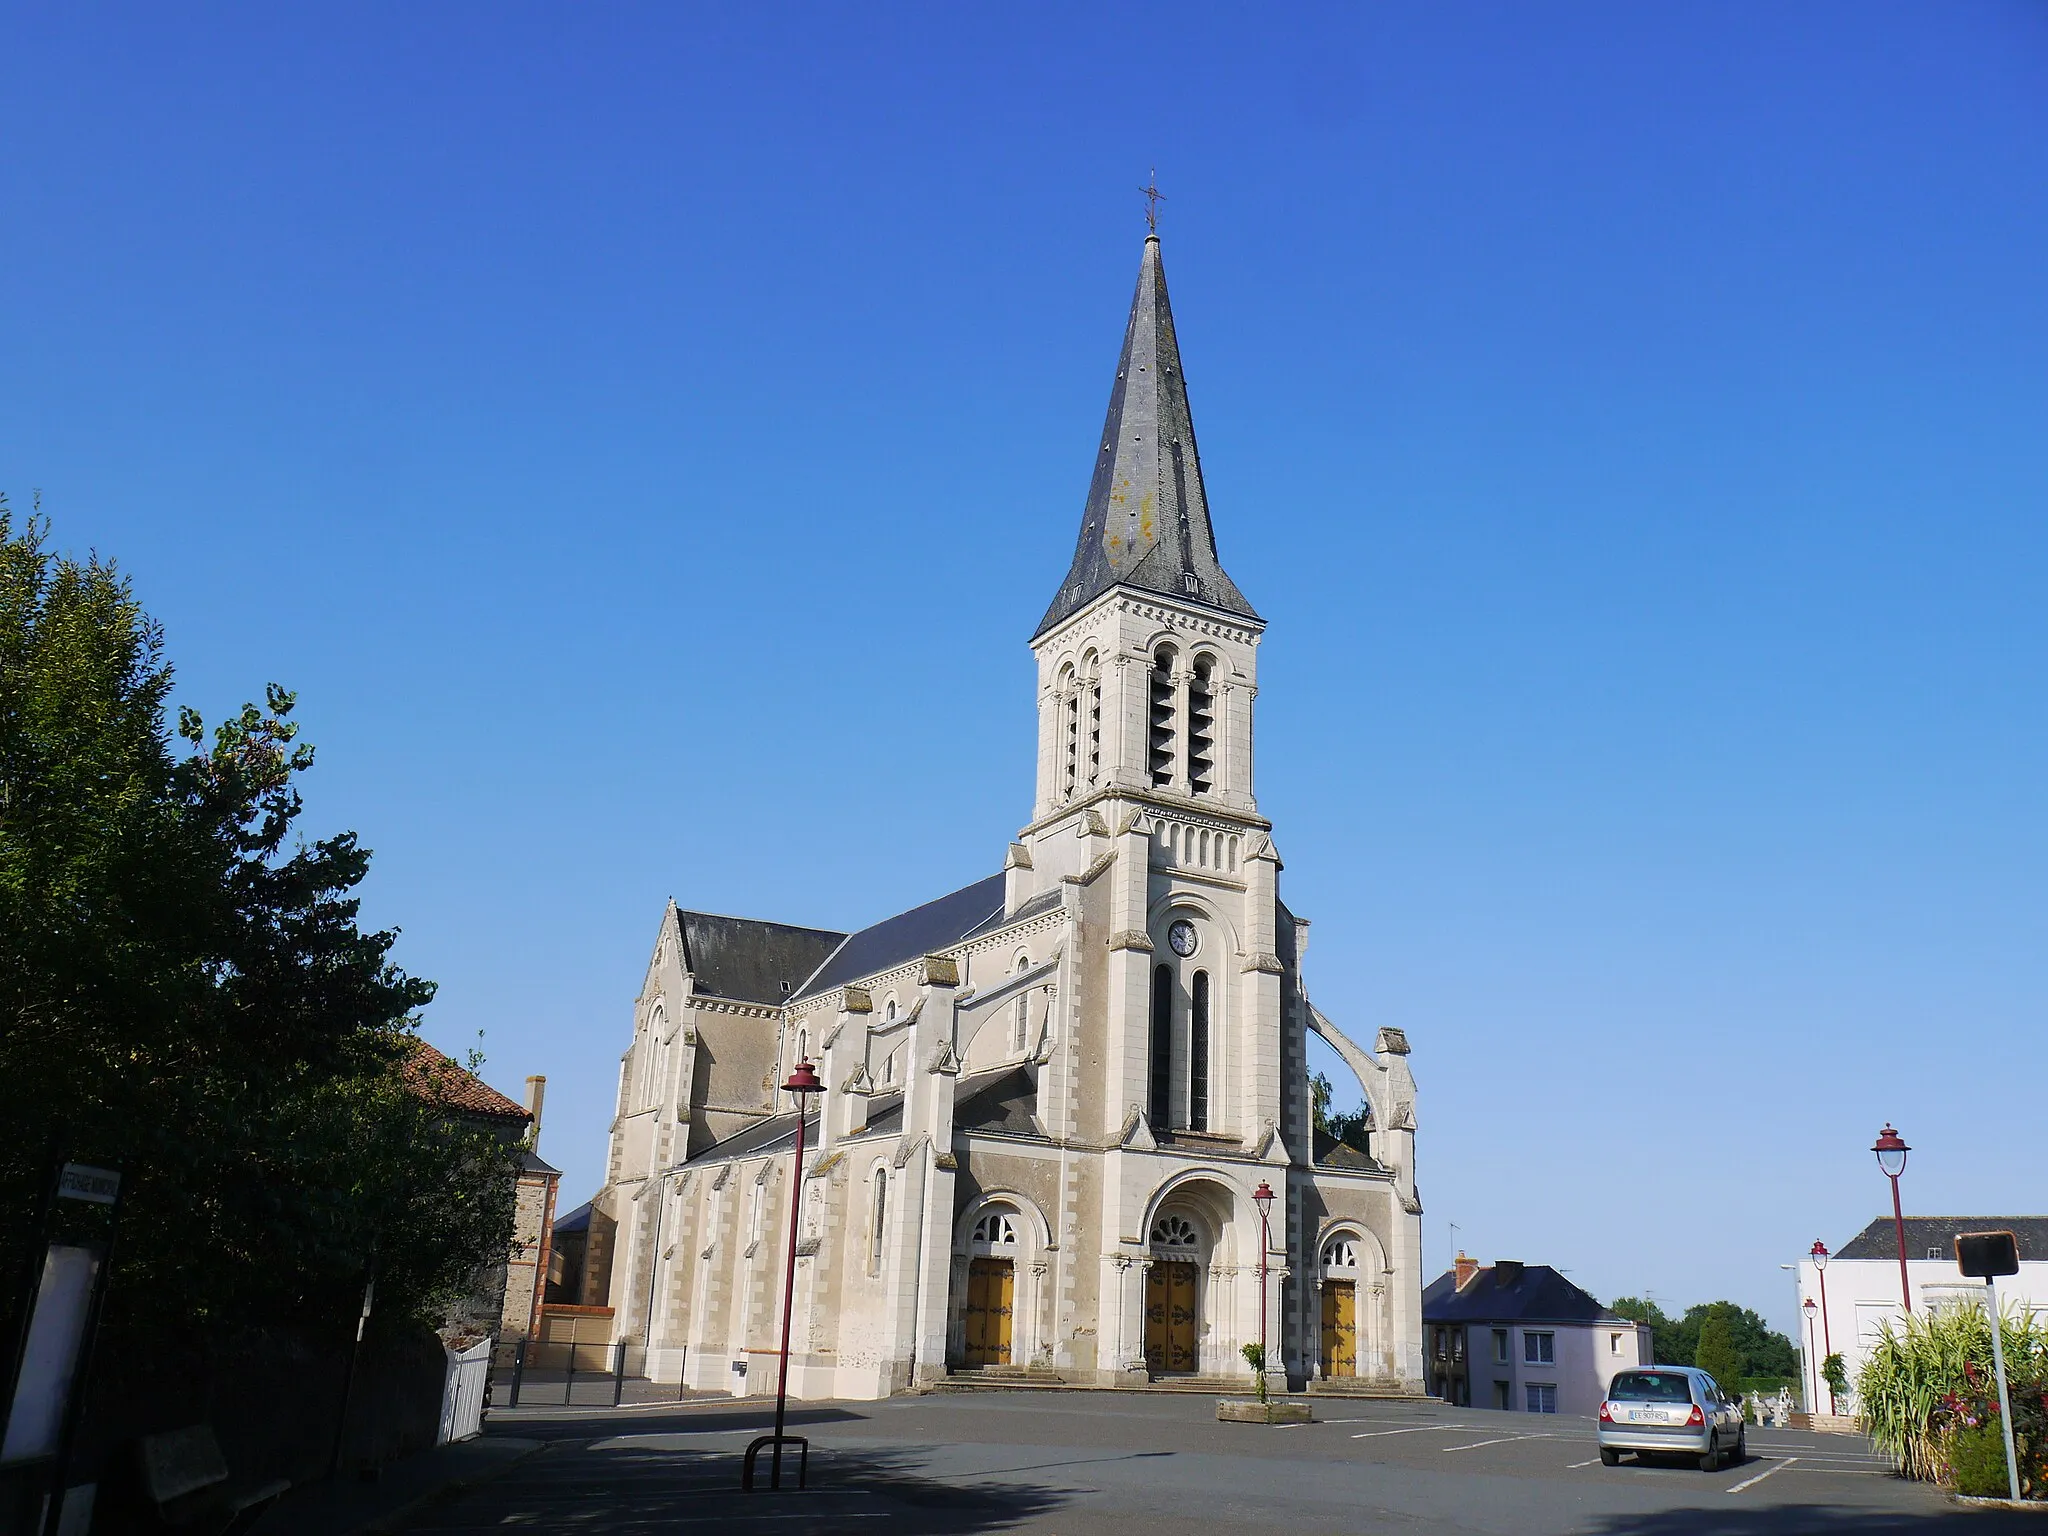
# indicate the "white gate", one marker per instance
pixel 462 1392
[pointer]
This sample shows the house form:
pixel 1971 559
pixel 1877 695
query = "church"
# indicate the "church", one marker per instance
pixel 1052 1096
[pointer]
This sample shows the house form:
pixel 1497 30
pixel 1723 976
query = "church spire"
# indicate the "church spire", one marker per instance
pixel 1147 520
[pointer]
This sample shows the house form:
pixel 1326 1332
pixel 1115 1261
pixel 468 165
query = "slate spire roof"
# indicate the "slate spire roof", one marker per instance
pixel 1147 519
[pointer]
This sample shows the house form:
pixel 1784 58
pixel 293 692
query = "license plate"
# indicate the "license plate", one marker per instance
pixel 1645 1416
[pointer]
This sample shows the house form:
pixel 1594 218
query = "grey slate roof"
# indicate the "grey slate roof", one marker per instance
pixel 749 960
pixel 777 1133
pixel 1001 1101
pixel 577 1220
pixel 936 925
pixel 1329 1152
pixel 1536 1294
pixel 1879 1241
pixel 1146 524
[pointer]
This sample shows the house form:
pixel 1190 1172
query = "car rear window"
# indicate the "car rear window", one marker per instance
pixel 1650 1387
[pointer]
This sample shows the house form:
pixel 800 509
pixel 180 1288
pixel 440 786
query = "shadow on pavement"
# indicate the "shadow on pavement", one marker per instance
pixel 625 1489
pixel 1799 1519
pixel 653 1422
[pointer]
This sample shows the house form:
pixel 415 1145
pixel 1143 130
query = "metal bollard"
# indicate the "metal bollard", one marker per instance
pixel 683 1375
pixel 569 1382
pixel 518 1371
pixel 618 1371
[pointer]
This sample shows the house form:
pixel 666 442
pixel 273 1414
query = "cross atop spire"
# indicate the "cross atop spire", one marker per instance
pixel 1153 198
pixel 1146 524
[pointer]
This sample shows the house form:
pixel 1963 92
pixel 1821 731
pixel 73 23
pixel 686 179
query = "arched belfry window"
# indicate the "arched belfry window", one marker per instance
pixel 1091 672
pixel 1070 732
pixel 1160 739
pixel 1198 1055
pixel 1020 1023
pixel 1201 728
pixel 1162 1042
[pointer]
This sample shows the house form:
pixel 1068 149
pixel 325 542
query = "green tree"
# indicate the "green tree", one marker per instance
pixel 1351 1127
pixel 1717 1353
pixel 1663 1346
pixel 185 992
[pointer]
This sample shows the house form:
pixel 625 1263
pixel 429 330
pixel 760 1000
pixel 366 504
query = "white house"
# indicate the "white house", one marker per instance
pixel 1522 1337
pixel 1856 1292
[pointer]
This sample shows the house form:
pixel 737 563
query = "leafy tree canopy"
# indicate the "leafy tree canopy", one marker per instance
pixel 185 992
pixel 1677 1340
pixel 1352 1127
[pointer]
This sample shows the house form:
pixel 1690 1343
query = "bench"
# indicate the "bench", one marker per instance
pixel 185 1477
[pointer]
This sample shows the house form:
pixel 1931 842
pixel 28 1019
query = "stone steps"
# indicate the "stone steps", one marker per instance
pixel 1365 1386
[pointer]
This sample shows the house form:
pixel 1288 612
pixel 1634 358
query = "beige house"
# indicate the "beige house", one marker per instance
pixel 1052 1093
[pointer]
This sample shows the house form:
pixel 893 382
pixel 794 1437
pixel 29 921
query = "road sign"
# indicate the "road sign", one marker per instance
pixel 77 1181
pixel 1987 1255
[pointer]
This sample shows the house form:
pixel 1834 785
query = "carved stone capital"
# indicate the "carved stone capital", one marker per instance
pixel 855 1000
pixel 941 971
pixel 1391 1042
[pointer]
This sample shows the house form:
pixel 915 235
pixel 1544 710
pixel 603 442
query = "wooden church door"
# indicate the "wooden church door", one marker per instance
pixel 1340 1328
pixel 991 1286
pixel 1170 1317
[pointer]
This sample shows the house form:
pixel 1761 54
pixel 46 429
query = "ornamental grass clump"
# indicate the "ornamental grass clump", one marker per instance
pixel 1930 1401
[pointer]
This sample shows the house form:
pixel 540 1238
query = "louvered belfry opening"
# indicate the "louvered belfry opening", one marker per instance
pixel 1073 744
pixel 1161 714
pixel 1201 729
pixel 1094 730
pixel 1198 1055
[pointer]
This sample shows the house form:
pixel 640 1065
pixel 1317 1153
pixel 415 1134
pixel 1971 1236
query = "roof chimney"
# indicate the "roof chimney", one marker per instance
pixel 536 1091
pixel 1464 1269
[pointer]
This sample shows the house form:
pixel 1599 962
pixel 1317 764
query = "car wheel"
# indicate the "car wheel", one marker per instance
pixel 1741 1447
pixel 1710 1458
pixel 1609 1458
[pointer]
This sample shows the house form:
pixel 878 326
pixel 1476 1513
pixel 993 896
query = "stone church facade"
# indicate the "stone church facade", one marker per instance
pixel 1051 1094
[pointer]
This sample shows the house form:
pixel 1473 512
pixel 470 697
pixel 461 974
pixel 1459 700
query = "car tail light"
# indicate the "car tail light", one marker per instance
pixel 1606 1414
pixel 1695 1419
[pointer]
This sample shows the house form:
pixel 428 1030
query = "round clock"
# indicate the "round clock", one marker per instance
pixel 1182 937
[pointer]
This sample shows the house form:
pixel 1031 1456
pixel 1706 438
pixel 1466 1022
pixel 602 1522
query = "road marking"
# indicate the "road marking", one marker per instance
pixel 1751 1482
pixel 1373 1434
pixel 1503 1440
pixel 1578 1464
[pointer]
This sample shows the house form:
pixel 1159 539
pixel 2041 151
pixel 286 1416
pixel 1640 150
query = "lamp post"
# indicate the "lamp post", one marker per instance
pixel 1819 1256
pixel 803 1082
pixel 1262 1197
pixel 1891 1150
pixel 1806 1306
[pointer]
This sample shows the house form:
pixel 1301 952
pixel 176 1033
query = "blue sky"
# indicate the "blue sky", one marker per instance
pixel 646 438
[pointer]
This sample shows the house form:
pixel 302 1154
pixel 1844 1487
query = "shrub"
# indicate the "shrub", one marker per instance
pixel 1976 1460
pixel 1928 1387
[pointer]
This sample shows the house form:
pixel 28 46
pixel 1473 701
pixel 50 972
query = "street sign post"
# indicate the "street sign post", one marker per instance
pixel 1985 1256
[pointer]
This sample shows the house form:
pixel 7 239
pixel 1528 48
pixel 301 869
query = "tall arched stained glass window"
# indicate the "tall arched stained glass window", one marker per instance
pixel 1198 1055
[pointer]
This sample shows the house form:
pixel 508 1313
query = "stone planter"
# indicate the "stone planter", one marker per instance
pixel 1240 1410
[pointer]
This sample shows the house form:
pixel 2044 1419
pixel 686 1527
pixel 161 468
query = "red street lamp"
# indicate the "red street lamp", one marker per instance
pixel 1819 1255
pixel 1262 1197
pixel 1807 1307
pixel 802 1083
pixel 1891 1150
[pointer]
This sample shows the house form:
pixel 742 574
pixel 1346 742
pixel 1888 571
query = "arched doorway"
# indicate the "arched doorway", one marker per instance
pixel 1339 1283
pixel 1173 1286
pixel 991 1289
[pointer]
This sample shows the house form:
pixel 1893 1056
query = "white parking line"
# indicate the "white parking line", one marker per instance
pixel 1751 1482
pixel 1373 1434
pixel 1578 1464
pixel 1503 1440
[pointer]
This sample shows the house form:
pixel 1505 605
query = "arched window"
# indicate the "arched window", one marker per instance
pixel 880 1221
pixel 1201 729
pixel 757 1210
pixel 1160 699
pixel 889 1010
pixel 803 1047
pixel 1175 1234
pixel 1198 1055
pixel 1340 1252
pixel 1021 1010
pixel 1094 721
pixel 1162 1042
pixel 996 1232
pixel 888 1069
pixel 1070 734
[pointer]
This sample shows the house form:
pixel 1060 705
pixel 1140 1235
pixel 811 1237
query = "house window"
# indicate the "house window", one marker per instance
pixel 1542 1397
pixel 1457 1344
pixel 1441 1346
pixel 1539 1349
pixel 1936 1253
pixel 1500 1346
pixel 1614 1343
pixel 1500 1395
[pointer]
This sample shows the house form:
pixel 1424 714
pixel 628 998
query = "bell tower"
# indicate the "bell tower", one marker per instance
pixel 1147 658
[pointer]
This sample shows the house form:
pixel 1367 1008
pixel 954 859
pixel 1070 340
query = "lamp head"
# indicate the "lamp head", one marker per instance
pixel 1808 1308
pixel 1891 1150
pixel 1262 1197
pixel 803 1080
pixel 1819 1255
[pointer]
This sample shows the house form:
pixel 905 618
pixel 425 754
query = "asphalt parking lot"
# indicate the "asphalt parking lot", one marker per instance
pixel 1078 1463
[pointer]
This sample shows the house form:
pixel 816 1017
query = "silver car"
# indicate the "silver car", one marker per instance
pixel 1672 1410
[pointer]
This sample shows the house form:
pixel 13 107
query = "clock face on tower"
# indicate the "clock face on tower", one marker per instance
pixel 1182 937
